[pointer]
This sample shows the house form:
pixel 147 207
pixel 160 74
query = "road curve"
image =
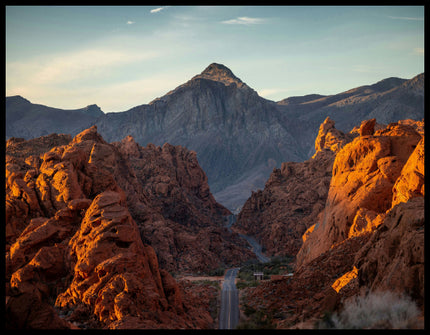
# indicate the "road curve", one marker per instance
pixel 229 313
pixel 256 248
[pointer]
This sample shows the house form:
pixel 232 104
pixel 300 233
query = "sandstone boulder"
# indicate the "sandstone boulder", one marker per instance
pixel 364 172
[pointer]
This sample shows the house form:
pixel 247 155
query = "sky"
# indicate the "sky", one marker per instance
pixel 119 57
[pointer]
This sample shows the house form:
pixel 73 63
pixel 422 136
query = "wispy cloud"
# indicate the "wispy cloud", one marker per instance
pixel 406 18
pixel 244 20
pixel 90 62
pixel 419 51
pixel 157 10
pixel 109 96
pixel 131 22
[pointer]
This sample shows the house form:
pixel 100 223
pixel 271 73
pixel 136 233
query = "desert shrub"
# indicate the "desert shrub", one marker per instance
pixel 377 310
pixel 243 284
pixel 218 271
pixel 258 319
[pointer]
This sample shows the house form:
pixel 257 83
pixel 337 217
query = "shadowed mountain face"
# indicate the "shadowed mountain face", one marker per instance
pixel 27 120
pixel 238 136
pixel 388 100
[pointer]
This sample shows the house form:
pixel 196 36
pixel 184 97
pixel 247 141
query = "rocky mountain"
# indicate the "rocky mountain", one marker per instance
pixel 368 236
pixel 388 100
pixel 363 185
pixel 93 229
pixel 293 196
pixel 238 136
pixel 27 120
pixel 301 198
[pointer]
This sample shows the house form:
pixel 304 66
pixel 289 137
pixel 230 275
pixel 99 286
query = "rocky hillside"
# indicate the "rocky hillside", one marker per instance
pixel 293 196
pixel 27 120
pixel 369 236
pixel 92 234
pixel 388 100
pixel 365 183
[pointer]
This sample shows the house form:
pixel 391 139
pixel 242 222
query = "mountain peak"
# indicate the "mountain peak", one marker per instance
pixel 221 73
pixel 92 110
pixel 17 98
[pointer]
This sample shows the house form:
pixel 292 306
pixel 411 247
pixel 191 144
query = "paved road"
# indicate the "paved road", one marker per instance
pixel 229 314
pixel 231 220
pixel 256 248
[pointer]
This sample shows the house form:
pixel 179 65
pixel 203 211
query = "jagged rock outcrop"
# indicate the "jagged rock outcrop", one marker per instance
pixel 411 181
pixel 385 252
pixel 364 173
pixel 330 138
pixel 116 277
pixel 393 258
pixel 369 236
pixel 71 239
pixel 293 197
pixel 367 127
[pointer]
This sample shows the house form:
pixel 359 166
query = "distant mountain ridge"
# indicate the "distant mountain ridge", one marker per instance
pixel 27 120
pixel 239 137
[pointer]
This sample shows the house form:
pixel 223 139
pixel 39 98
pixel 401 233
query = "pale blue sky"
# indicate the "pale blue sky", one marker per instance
pixel 121 57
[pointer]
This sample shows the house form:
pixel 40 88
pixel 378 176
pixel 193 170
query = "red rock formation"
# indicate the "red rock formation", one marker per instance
pixel 293 197
pixel 71 239
pixel 369 237
pixel 330 138
pixel 411 181
pixel 308 294
pixel 115 276
pixel 393 258
pixel 364 173
pixel 189 234
pixel 367 127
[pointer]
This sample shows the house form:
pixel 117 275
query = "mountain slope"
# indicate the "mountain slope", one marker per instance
pixel 27 120
pixel 231 128
pixel 367 238
pixel 238 136
pixel 388 100
pixel 165 189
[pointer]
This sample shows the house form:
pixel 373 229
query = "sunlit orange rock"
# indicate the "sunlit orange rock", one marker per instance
pixel 280 215
pixel 330 138
pixel 365 221
pixel 393 258
pixel 115 275
pixel 367 127
pixel 344 279
pixel 411 181
pixel 364 172
pixel 308 232
pixel 71 238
